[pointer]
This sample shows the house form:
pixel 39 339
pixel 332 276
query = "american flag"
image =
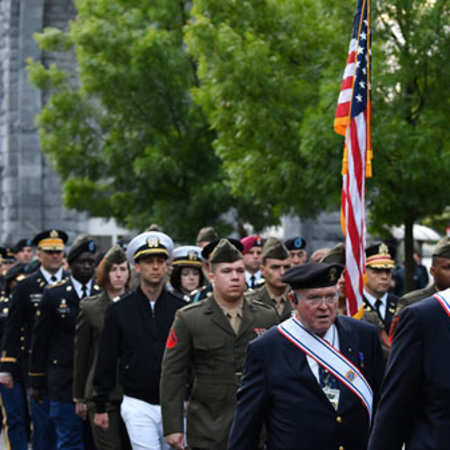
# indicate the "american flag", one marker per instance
pixel 353 121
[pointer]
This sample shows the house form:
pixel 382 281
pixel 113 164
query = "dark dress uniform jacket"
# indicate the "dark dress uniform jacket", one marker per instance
pixel 24 303
pixel 262 295
pixel 415 403
pixel 280 391
pixel 135 336
pixel 51 362
pixel 89 328
pixel 202 339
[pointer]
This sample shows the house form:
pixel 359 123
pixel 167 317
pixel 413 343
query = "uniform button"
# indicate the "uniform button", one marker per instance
pixel 22 338
pixel 22 348
pixel 341 447
pixel 339 419
pixel 55 361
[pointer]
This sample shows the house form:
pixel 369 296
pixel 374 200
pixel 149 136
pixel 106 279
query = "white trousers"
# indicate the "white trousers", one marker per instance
pixel 144 424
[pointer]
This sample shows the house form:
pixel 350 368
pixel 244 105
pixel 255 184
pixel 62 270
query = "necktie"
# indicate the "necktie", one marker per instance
pixel 253 281
pixel 378 304
pixel 84 291
pixel 234 321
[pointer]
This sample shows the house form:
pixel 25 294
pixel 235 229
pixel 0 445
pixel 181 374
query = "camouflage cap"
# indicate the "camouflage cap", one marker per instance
pixel 207 234
pixel 225 252
pixel 115 255
pixel 442 248
pixel 274 248
pixel 335 255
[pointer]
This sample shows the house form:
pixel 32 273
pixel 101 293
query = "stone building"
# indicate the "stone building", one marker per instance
pixel 30 190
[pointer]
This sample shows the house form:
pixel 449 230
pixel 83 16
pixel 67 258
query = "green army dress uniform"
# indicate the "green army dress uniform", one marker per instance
pixel 203 339
pixel 262 295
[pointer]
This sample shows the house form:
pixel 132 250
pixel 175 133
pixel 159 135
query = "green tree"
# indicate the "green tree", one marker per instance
pixel 270 75
pixel 265 67
pixel 123 132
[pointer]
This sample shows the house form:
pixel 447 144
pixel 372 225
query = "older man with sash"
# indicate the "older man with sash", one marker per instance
pixel 314 380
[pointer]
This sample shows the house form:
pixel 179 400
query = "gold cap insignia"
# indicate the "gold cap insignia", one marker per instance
pixel 333 274
pixel 153 242
pixel 54 234
pixel 383 249
pixel 193 256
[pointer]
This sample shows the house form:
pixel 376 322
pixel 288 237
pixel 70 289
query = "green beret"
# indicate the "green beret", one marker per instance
pixel 116 255
pixel 274 248
pixel 225 252
pixel 442 248
pixel 335 255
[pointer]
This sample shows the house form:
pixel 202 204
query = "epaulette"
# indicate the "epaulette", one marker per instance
pixel 261 282
pixel 61 283
pixel 122 297
pixel 259 303
pixel 193 305
pixel 197 291
pixel 186 298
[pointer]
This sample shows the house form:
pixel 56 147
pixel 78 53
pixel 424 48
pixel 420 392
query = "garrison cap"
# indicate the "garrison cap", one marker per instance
pixel 22 244
pixel 274 248
pixel 207 234
pixel 149 243
pixel 295 243
pixel 313 275
pixel 250 242
pixel 442 248
pixel 380 256
pixel 187 256
pixel 115 255
pixel 335 255
pixel 154 227
pixel 50 240
pixel 16 272
pixel 225 252
pixel 208 249
pixel 82 244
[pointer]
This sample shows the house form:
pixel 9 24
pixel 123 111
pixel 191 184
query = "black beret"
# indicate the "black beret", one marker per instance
pixel 208 249
pixel 313 275
pixel 14 272
pixel 23 243
pixel 81 245
pixel 295 243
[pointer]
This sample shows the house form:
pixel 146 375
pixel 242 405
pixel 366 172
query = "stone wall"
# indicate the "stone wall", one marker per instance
pixel 29 188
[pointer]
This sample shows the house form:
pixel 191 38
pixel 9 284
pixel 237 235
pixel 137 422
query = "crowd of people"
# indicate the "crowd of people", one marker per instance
pixel 225 344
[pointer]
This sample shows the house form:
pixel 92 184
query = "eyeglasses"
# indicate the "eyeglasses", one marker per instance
pixel 316 301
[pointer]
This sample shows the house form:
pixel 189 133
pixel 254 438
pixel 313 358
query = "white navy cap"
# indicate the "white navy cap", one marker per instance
pixel 188 256
pixel 149 243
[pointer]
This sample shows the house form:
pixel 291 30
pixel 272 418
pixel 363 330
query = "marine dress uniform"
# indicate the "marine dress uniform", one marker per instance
pixel 203 339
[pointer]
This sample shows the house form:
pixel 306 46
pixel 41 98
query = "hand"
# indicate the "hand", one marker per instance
pixel 175 440
pixel 81 410
pixel 36 395
pixel 7 381
pixel 101 420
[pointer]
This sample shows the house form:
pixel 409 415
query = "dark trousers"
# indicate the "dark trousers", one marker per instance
pixel 15 412
pixel 115 437
pixel 44 435
pixel 68 426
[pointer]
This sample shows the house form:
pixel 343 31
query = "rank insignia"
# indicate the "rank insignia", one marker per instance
pixel 153 242
pixel 172 340
pixel 333 274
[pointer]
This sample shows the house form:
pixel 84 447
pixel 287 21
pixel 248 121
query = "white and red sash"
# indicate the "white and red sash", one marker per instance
pixel 443 298
pixel 329 358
